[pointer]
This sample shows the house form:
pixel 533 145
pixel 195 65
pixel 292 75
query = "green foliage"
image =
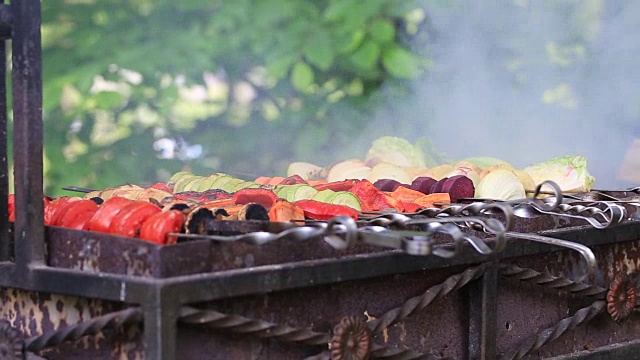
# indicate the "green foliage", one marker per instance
pixel 121 74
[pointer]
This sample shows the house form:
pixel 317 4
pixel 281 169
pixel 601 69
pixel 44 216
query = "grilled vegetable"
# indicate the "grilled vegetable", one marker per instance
pixel 293 179
pixel 130 219
pixel 101 220
pixel 406 195
pixel 500 184
pixel 57 209
pixel 386 184
pixel 430 200
pixel 285 211
pixel 251 211
pixel 343 185
pixel 372 199
pixel 458 186
pixel 264 197
pixel 318 210
pixel 157 227
pixel 79 221
pixel 423 184
pixel 77 209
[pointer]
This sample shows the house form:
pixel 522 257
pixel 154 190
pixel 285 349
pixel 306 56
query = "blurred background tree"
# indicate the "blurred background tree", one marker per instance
pixel 135 90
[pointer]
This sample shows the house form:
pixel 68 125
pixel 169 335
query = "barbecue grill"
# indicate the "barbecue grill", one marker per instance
pixel 514 280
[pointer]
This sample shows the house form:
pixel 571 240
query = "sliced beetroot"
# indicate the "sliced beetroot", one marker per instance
pixel 423 184
pixel 458 186
pixel 386 184
pixel 437 187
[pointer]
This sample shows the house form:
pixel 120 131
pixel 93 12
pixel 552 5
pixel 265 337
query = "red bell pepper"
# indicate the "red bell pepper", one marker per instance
pixel 101 220
pixel 319 210
pixel 344 185
pixel 410 207
pixel 264 197
pixel 162 186
pixel 73 210
pixel 129 220
pixel 156 227
pixel 372 199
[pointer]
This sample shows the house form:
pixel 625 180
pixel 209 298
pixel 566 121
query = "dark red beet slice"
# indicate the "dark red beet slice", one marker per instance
pixel 386 184
pixel 459 186
pixel 423 184
pixel 437 187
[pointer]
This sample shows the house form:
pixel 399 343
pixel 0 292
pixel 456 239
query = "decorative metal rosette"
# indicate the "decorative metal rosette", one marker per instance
pixel 621 297
pixel 11 344
pixel 351 340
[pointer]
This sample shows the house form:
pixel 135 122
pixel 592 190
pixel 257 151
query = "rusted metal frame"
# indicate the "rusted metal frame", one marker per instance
pixel 211 286
pixel 161 312
pixel 483 310
pixel 264 279
pixel 6 21
pixel 621 351
pixel 86 328
pixel 551 334
pixel 27 135
pixel 5 247
pixel 134 290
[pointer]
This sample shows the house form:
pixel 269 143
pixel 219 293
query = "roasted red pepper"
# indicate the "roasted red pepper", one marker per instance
pixel 410 207
pixel 344 185
pixel 73 210
pixel 319 210
pixel 156 227
pixel 204 196
pixel 101 220
pixel 162 186
pixel 264 197
pixel 293 180
pixel 129 220
pixel 372 199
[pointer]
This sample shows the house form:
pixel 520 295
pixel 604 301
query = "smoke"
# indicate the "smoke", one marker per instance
pixel 528 81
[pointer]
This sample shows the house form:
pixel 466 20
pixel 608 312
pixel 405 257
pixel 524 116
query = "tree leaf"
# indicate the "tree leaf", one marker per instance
pixel 302 76
pixel 319 51
pixel 400 62
pixel 366 56
pixel 108 100
pixel 382 31
pixel 279 67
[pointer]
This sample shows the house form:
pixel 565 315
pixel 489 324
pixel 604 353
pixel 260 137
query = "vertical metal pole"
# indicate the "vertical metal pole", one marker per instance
pixel 483 316
pixel 5 244
pixel 160 326
pixel 27 133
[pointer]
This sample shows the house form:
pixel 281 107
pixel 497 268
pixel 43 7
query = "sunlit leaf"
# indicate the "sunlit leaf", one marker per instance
pixel 382 31
pixel 367 55
pixel 319 51
pixel 108 99
pixel 302 76
pixel 400 62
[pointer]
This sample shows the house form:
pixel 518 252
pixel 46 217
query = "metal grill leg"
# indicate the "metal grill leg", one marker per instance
pixel 483 316
pixel 160 329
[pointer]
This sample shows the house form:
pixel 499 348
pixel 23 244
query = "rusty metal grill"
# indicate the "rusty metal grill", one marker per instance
pixel 471 281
